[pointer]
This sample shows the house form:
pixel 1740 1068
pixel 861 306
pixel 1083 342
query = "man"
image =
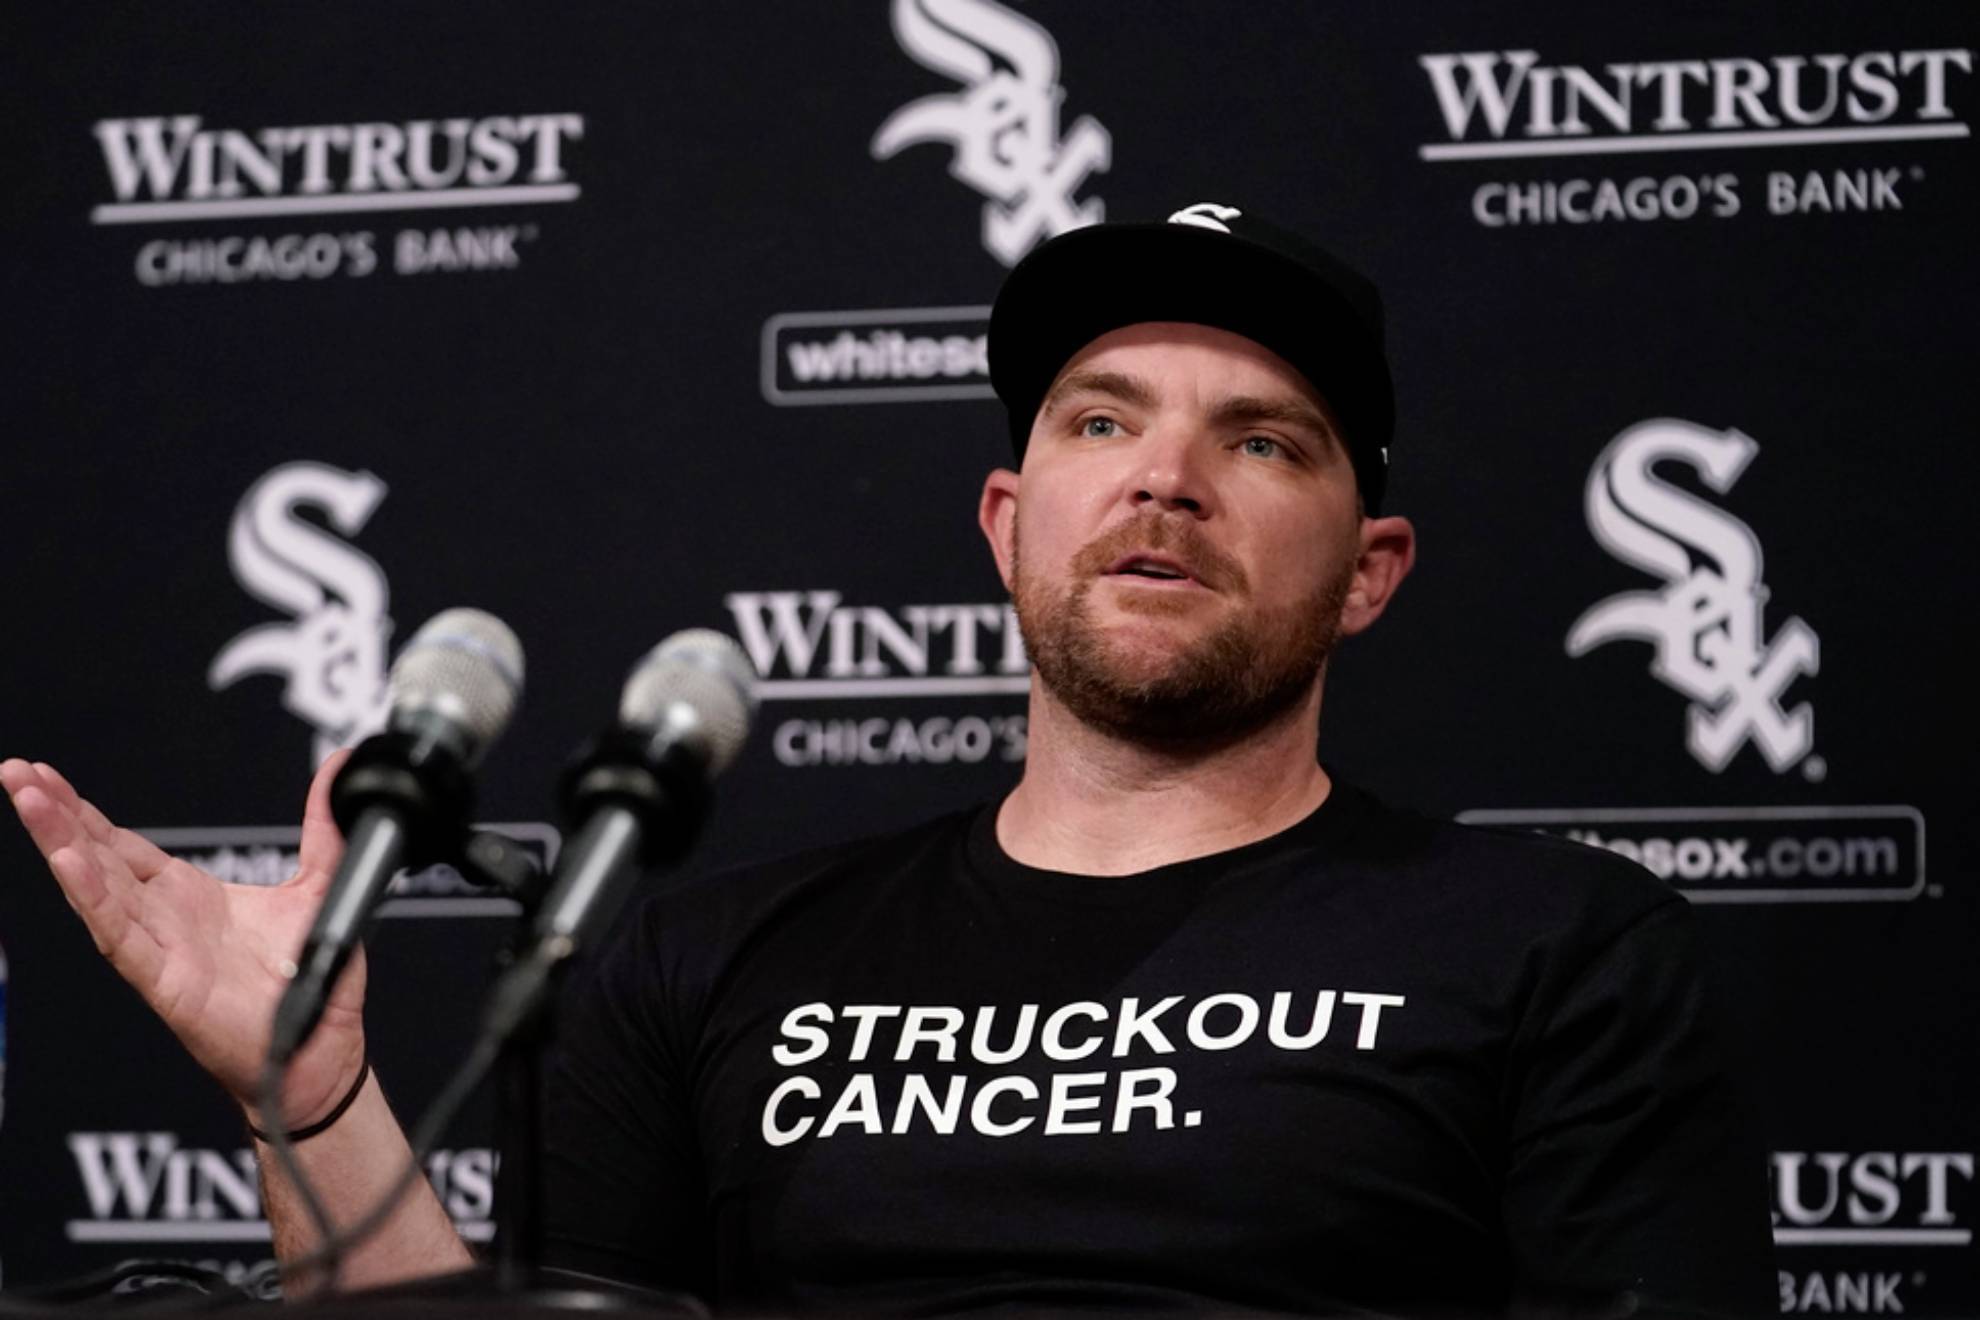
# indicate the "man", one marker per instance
pixel 1181 1022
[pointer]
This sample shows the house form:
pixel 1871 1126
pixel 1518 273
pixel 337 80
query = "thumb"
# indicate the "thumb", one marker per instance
pixel 322 844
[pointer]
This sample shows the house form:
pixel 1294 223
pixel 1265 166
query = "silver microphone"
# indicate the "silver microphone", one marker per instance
pixel 404 796
pixel 639 794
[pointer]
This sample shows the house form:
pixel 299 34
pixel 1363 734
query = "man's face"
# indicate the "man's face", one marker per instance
pixel 1184 535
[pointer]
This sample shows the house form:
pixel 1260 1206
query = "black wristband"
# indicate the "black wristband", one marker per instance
pixel 322 1124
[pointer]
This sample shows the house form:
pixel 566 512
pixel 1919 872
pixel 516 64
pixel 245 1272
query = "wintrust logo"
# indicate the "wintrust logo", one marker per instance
pixel 1522 107
pixel 1500 105
pixel 146 1188
pixel 333 653
pixel 175 169
pixel 814 647
pixel 1871 1198
pixel 813 644
pixel 1846 1201
pixel 1705 624
pixel 1003 125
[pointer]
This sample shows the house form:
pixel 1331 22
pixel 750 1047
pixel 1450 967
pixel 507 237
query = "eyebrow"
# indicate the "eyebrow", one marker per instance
pixel 1115 384
pixel 1290 412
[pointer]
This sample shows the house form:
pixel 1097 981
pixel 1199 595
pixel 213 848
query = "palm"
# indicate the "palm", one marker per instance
pixel 210 958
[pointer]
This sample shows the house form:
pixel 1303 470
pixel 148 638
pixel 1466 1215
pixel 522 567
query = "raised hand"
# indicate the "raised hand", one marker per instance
pixel 210 958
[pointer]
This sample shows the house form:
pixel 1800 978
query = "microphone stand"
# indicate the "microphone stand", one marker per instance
pixel 519 1125
pixel 519 1210
pixel 491 862
pixel 664 795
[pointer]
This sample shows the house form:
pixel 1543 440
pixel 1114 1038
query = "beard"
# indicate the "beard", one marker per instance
pixel 1247 671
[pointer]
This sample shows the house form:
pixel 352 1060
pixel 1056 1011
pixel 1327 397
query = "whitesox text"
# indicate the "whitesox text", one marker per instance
pixel 1734 857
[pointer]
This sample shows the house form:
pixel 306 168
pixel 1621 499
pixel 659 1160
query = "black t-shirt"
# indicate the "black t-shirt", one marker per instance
pixel 1372 1062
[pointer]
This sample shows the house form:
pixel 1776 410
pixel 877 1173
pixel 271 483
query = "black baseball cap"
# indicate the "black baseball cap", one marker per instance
pixel 1207 264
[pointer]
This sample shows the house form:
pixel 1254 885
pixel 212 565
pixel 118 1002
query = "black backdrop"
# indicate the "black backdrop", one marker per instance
pixel 682 338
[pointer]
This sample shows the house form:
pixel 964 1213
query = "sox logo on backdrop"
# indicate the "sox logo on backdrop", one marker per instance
pixel 333 654
pixel 1706 623
pixel 1004 124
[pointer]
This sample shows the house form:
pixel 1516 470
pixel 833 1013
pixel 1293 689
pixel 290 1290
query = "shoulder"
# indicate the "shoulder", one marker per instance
pixel 1513 878
pixel 1551 931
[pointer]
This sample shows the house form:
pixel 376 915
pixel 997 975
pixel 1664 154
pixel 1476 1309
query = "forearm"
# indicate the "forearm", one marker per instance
pixel 351 1166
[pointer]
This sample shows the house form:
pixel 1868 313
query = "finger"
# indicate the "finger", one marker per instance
pixel 93 821
pixel 53 827
pixel 130 948
pixel 61 817
pixel 144 857
pixel 83 885
pixel 50 824
pixel 322 845
pixel 16 774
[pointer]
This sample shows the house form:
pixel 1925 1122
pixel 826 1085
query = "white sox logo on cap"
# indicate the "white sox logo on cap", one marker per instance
pixel 1206 215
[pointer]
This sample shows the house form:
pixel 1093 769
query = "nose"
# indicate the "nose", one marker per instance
pixel 1172 476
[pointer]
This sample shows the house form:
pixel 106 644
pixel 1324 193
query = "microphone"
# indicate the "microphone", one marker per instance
pixel 404 797
pixel 639 793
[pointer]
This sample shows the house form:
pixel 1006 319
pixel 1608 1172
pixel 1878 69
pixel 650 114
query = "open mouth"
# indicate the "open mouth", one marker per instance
pixel 1153 568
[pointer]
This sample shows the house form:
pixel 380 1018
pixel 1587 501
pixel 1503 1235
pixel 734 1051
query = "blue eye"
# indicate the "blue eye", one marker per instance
pixel 1262 446
pixel 1106 426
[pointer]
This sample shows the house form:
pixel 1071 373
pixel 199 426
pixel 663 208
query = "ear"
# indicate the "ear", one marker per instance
pixel 996 514
pixel 1388 552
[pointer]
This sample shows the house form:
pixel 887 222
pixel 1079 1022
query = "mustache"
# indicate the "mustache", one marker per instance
pixel 1157 533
